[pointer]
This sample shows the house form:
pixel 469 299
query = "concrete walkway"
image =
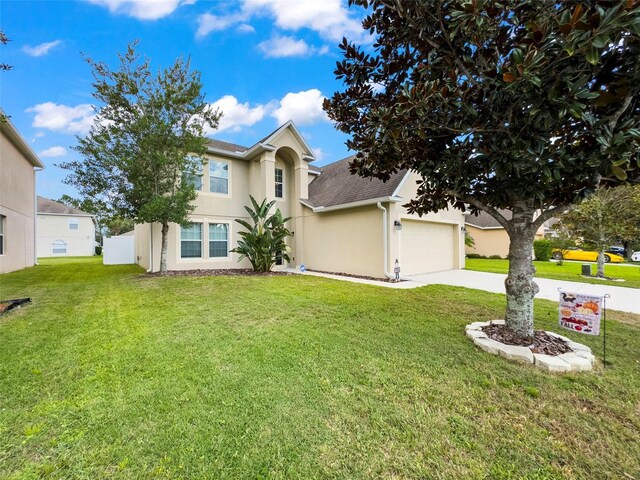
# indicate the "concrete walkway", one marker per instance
pixel 622 298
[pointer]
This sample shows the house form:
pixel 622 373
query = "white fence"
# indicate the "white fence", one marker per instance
pixel 119 250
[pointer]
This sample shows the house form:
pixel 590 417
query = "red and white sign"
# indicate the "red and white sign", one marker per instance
pixel 580 313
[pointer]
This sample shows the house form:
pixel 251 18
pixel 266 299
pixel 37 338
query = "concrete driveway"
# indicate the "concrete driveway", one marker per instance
pixel 622 298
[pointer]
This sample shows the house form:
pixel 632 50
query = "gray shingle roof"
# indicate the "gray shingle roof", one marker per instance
pixel 49 206
pixel 337 186
pixel 484 220
pixel 226 146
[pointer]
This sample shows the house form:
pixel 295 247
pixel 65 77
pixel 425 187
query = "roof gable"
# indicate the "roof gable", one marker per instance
pixel 46 205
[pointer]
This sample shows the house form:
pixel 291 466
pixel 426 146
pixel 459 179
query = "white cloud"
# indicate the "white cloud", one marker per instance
pixel 245 28
pixel 279 46
pixel 62 118
pixel 331 19
pixel 40 50
pixel 318 153
pixel 143 9
pixel 236 115
pixel 208 23
pixel 53 152
pixel 304 108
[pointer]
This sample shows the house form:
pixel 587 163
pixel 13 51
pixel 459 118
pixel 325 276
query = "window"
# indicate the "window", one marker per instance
pixel 2 217
pixel 191 241
pixel 218 177
pixel 218 240
pixel 195 178
pixel 74 224
pixel 59 247
pixel 279 183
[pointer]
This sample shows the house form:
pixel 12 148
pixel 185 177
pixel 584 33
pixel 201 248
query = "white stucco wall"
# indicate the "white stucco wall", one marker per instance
pixel 53 228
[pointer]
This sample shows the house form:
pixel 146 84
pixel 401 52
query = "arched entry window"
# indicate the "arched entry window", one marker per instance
pixel 59 247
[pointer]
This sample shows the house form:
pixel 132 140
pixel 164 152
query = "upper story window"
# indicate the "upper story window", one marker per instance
pixel 191 241
pixel 279 183
pixel 2 219
pixel 195 178
pixel 218 177
pixel 74 224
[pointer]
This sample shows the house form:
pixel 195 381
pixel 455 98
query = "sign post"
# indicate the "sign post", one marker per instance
pixel 583 313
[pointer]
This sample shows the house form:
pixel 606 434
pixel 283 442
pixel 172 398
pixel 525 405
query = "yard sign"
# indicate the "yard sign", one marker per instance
pixel 580 313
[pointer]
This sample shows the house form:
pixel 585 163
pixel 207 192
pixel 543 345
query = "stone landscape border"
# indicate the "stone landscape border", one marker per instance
pixel 580 359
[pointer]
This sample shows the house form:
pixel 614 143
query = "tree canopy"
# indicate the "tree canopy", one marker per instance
pixel 147 137
pixel 524 105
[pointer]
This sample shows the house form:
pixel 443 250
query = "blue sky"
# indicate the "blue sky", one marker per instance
pixel 262 62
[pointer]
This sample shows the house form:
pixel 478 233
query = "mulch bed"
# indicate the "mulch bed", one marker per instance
pixel 342 274
pixel 542 341
pixel 215 272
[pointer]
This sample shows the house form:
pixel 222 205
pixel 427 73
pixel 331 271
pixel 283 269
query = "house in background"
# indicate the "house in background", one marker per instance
pixel 490 238
pixel 64 231
pixel 18 166
pixel 340 222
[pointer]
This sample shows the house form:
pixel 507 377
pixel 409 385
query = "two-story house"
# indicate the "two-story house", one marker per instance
pixel 18 166
pixel 64 231
pixel 340 222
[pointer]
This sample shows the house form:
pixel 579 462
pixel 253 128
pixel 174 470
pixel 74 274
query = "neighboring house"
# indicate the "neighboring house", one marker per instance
pixel 489 237
pixel 18 166
pixel 341 222
pixel 64 231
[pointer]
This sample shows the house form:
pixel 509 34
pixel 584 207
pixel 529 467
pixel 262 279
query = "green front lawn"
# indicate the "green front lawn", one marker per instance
pixel 112 374
pixel 567 271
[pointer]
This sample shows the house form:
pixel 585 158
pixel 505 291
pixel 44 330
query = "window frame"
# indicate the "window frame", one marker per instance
pixel 58 243
pixel 182 257
pixel 74 222
pixel 226 241
pixel 278 183
pixel 199 175
pixel 228 177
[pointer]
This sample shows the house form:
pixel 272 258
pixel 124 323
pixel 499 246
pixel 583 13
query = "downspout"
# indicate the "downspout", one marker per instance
pixel 151 249
pixel 35 216
pixel 385 241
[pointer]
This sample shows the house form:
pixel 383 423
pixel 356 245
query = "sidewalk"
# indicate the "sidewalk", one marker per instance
pixel 623 299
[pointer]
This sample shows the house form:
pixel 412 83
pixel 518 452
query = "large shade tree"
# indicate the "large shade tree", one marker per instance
pixel 524 105
pixel 146 142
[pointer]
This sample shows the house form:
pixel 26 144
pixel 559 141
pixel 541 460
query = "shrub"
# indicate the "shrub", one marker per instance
pixel 542 250
pixel 473 255
pixel 98 250
pixel 495 257
pixel 265 241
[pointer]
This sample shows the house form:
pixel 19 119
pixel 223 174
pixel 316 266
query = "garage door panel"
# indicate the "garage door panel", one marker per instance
pixel 426 247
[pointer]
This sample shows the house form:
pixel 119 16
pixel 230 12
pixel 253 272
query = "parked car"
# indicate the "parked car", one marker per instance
pixel 574 253
pixel 635 256
pixel 616 250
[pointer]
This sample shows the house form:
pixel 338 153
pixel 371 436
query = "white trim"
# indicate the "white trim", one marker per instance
pixel 483 228
pixel 360 203
pixel 229 177
pixel 84 215
pixel 313 172
pixel 429 220
pixel 396 192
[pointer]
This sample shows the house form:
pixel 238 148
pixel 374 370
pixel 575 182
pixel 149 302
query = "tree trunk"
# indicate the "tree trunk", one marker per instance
pixel 163 250
pixel 600 273
pixel 520 287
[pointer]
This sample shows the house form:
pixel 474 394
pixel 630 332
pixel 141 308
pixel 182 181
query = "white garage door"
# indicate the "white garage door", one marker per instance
pixel 426 247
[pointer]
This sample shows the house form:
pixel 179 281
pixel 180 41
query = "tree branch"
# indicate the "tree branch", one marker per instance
pixel 616 116
pixel 546 215
pixel 481 206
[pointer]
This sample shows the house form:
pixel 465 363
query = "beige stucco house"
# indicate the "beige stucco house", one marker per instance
pixel 64 231
pixel 341 222
pixel 490 238
pixel 18 166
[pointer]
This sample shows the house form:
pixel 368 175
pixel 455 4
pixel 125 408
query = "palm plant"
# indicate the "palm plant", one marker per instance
pixel 264 241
